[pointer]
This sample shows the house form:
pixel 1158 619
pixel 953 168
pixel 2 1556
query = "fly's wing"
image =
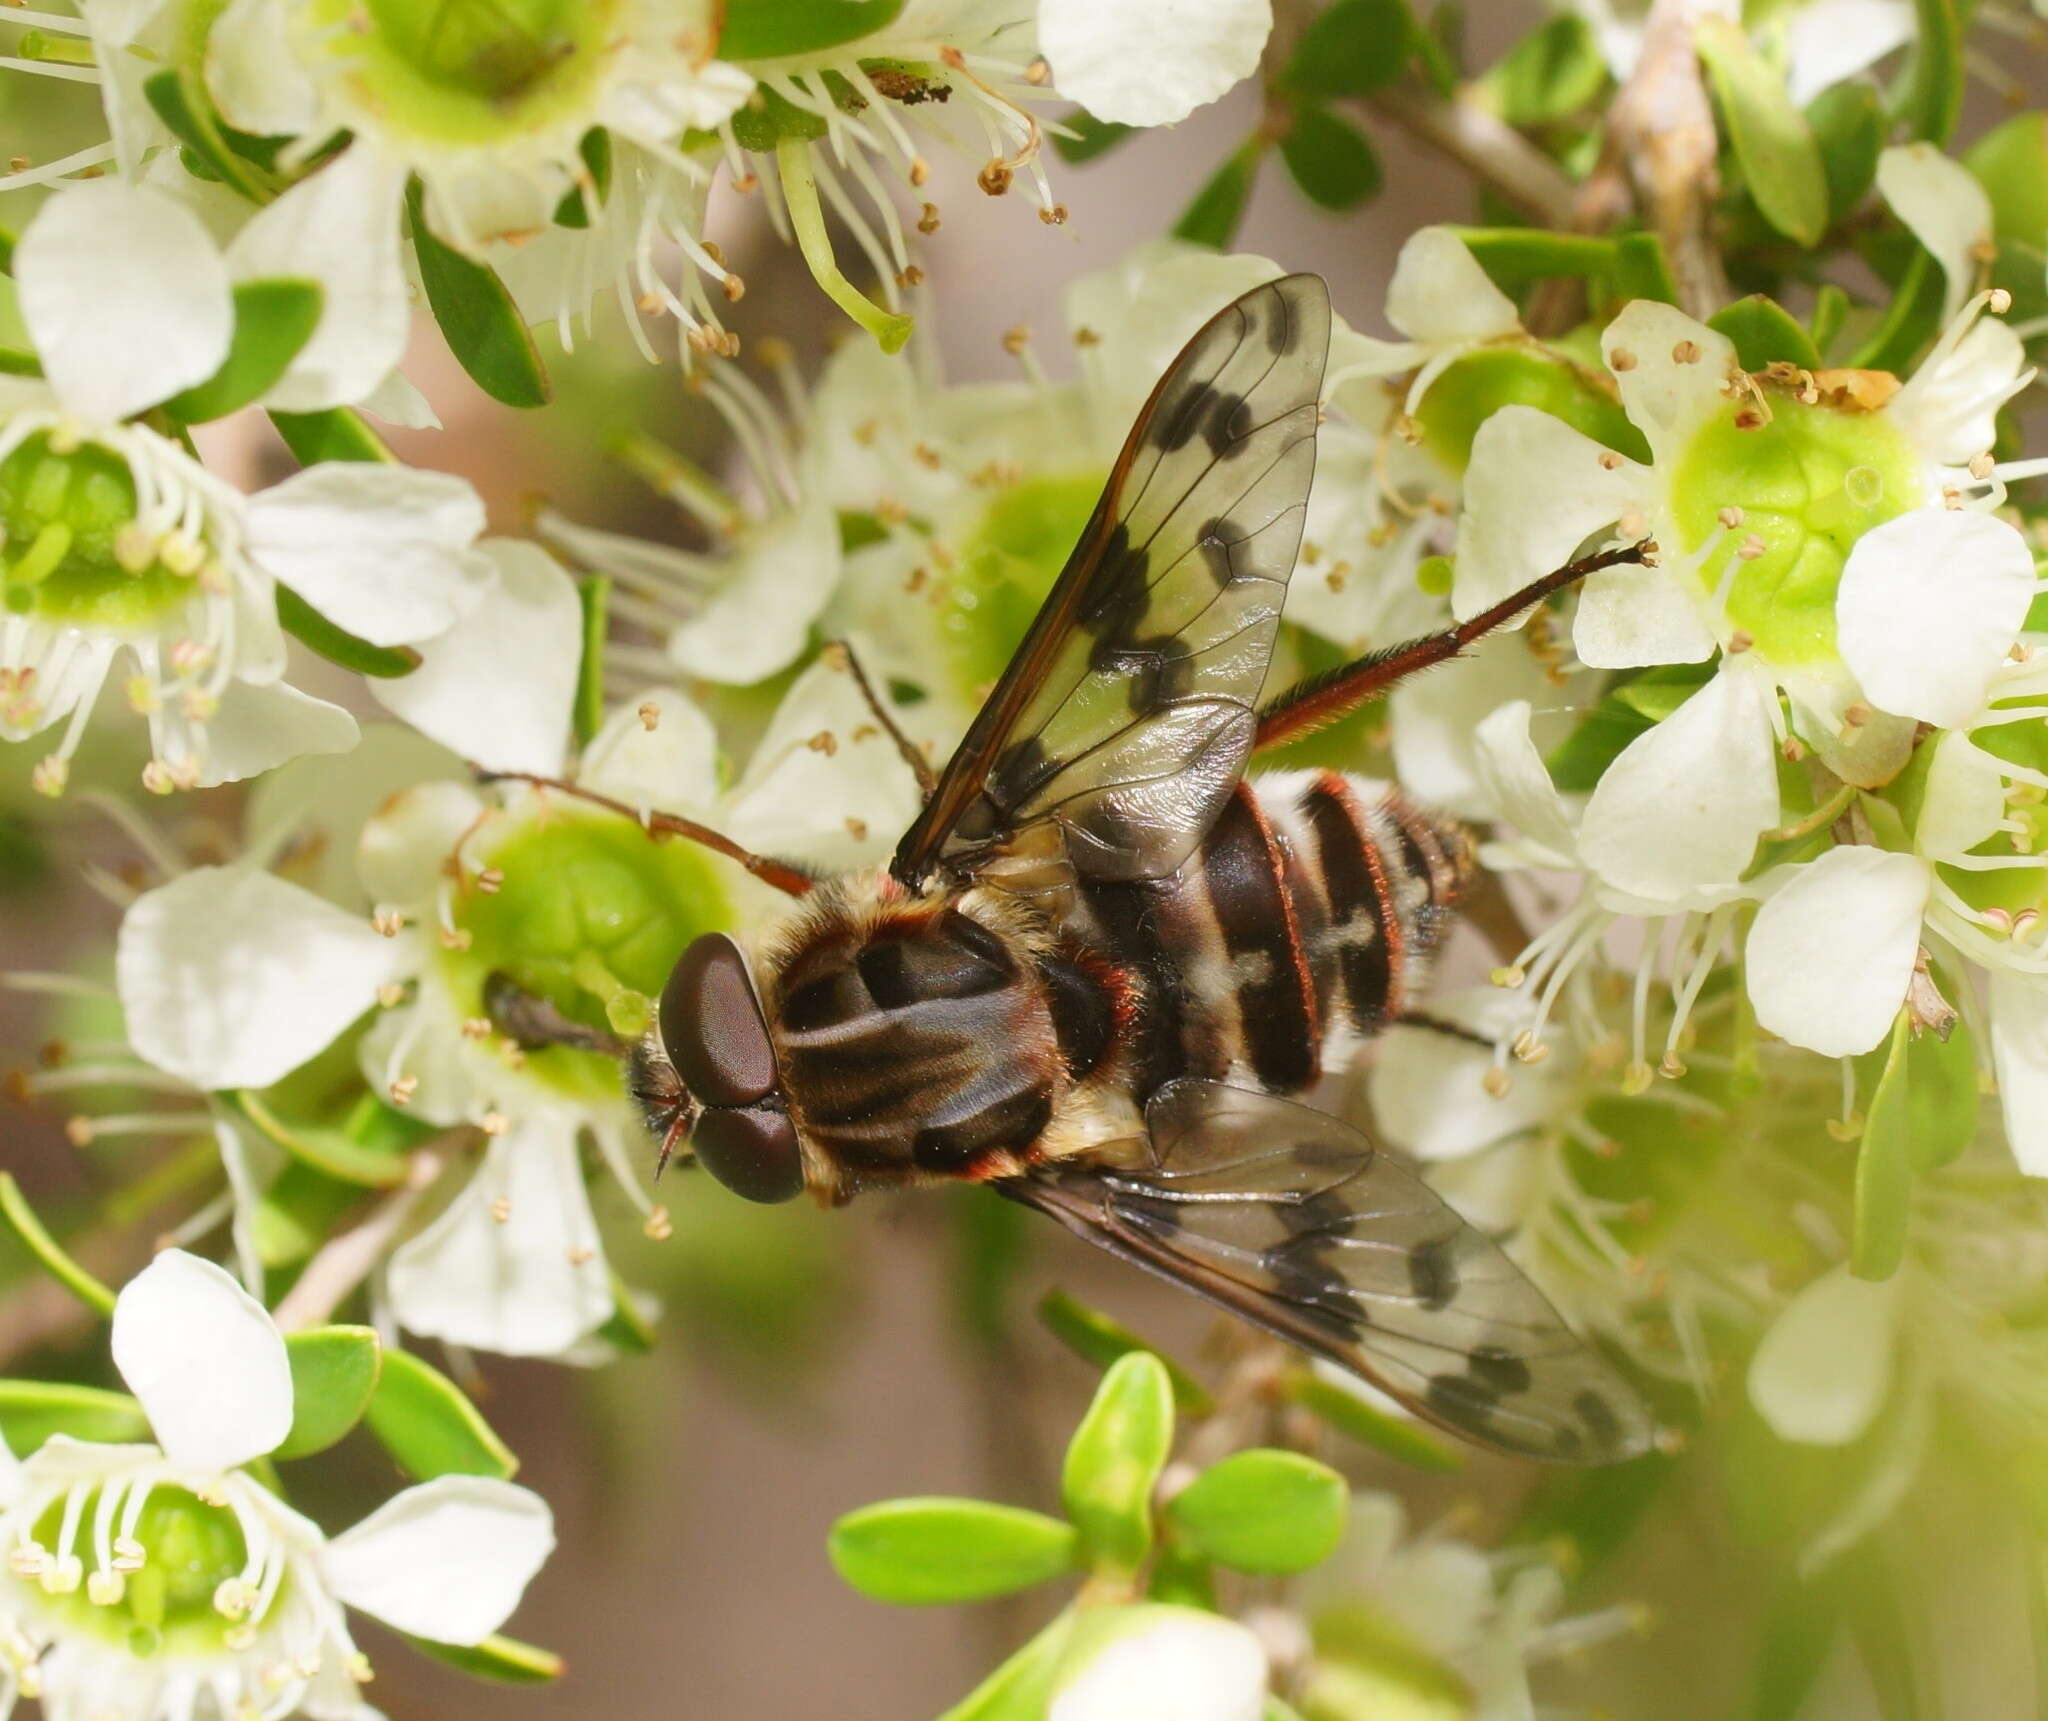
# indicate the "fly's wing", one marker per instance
pixel 1128 712
pixel 1290 1219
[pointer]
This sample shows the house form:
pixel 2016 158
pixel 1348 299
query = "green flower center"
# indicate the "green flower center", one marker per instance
pixel 1790 496
pixel 1478 385
pixel 192 1557
pixel 72 552
pixel 1005 570
pixel 588 914
pixel 470 71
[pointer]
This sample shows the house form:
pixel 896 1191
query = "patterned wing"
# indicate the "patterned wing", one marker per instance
pixel 1289 1218
pixel 1127 714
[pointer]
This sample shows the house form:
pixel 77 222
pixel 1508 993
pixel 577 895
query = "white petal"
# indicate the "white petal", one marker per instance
pixel 396 401
pixel 447 1561
pixel 1824 1369
pixel 338 226
pixel 1928 607
pixel 115 337
pixel 528 1284
pixel 759 619
pixel 1517 783
pixel 498 689
pixel 258 728
pixel 1167 1664
pixel 424 1040
pixel 1949 406
pixel 1437 717
pixel 1681 808
pixel 384 551
pixel 1831 952
pixel 205 1359
pixel 405 844
pixel 1829 42
pixel 10 1475
pixel 230 978
pixel 838 811
pixel 1943 206
pixel 1428 1092
pixel 1630 617
pixel 1962 798
pixel 2019 1057
pixel 254 72
pixel 671 765
pixel 1151 62
pixel 1667 396
pixel 1441 296
pixel 1535 490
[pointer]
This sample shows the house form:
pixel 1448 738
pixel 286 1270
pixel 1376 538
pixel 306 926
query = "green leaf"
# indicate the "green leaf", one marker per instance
pixel 593 595
pixel 485 331
pixel 1095 1337
pixel 1550 74
pixel 180 100
pixel 274 319
pixel 1331 159
pixel 1934 86
pixel 1642 271
pixel 596 151
pixel 1114 1460
pixel 626 1328
pixel 1354 48
pixel 21 1217
pixel 1625 711
pixel 1516 258
pixel 314 631
pixel 1764 332
pixel 1091 136
pixel 1847 122
pixel 6 251
pixel 33 1410
pixel 427 1424
pixel 1909 321
pixel 1884 1167
pixel 1800 1629
pixel 989 1240
pixel 917 1552
pixel 2011 162
pixel 375 1164
pixel 1262 1511
pixel 769 29
pixel 1781 163
pixel 1352 1416
pixel 1211 218
pixel 502 1660
pixel 336 434
pixel 334 1375
pixel 1830 311
pixel 1020 1689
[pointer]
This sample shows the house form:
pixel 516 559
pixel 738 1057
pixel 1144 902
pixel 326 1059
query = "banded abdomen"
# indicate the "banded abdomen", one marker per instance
pixel 1302 922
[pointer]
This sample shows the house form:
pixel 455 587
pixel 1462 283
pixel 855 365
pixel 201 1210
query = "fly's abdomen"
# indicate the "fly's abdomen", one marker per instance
pixel 1303 919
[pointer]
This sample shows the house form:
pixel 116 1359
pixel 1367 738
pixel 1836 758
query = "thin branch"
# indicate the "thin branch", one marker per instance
pixel 344 1262
pixel 1486 145
pixel 1663 125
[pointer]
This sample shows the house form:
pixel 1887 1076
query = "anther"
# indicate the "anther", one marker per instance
pixel 391 994
pixel 1496 1081
pixel 1686 353
pixel 1621 359
pixel 857 829
pixel 78 1131
pixel 1672 1065
pixel 1999 302
pixel 49 776
pixel 928 219
pixel 105 1588
pixel 1510 976
pixel 501 1210
pixel 1609 460
pixel 658 1225
pixel 1054 215
pixel 1982 465
pixel 1751 547
pixel 490 881
pixel 403 1088
pixel 649 715
pixel 1740 641
pixel 387 922
pixel 476 1028
pixel 494 1122
pixel 824 742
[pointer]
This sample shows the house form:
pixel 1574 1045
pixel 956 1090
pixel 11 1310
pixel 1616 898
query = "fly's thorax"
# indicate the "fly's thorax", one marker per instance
pixel 919 1036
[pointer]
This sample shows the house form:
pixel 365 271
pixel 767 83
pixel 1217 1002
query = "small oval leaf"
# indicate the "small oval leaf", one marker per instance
pixel 1332 161
pixel 274 319
pixel 427 1424
pixel 485 331
pixel 1095 1337
pixel 33 1410
pixel 334 1376
pixel 1764 332
pixel 502 1660
pixel 769 29
pixel 1114 1460
pixel 1781 163
pixel 1211 218
pixel 918 1552
pixel 315 632
pixel 1884 1166
pixel 1263 1511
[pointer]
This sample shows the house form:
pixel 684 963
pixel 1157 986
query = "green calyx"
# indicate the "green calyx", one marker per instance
pixel 470 71
pixel 1478 385
pixel 586 913
pixel 71 551
pixel 178 1599
pixel 1789 489
pixel 1005 570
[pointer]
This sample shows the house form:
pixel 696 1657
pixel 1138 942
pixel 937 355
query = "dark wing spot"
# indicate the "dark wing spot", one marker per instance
pixel 1283 328
pixel 1227 421
pixel 1501 1372
pixel 1018 771
pixel 1433 1273
pixel 1178 420
pixel 1461 1399
pixel 1302 1276
pixel 1598 1416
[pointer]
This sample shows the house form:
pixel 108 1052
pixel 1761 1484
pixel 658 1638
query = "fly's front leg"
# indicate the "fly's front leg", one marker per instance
pixel 1309 705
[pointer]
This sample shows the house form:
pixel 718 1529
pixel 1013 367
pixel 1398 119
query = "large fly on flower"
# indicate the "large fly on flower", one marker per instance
pixel 1103 965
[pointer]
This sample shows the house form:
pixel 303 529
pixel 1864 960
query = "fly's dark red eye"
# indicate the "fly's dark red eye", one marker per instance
pixel 752 1150
pixel 712 1028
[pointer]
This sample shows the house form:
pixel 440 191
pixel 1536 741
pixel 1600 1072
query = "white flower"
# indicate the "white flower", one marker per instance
pixel 120 544
pixel 163 1582
pixel 1151 62
pixel 1159 1663
pixel 1945 208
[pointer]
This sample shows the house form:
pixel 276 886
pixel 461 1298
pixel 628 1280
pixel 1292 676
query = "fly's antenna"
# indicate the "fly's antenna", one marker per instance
pixel 841 652
pixel 788 879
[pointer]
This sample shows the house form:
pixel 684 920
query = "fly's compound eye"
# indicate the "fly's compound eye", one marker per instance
pixel 712 1027
pixel 717 1039
pixel 752 1150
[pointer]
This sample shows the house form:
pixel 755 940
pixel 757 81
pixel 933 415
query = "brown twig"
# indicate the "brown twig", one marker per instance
pixel 1484 144
pixel 344 1262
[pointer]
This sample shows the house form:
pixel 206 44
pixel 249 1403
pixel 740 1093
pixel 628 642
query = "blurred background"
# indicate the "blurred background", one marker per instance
pixel 810 1362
